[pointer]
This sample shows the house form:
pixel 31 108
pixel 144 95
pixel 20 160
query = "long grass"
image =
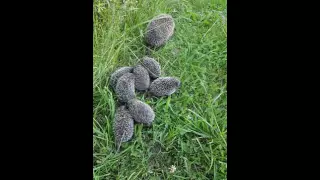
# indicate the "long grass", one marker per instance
pixel 190 127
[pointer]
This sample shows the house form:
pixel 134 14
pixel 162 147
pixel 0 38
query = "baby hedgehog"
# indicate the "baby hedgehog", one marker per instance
pixel 159 30
pixel 123 125
pixel 152 66
pixel 142 81
pixel 164 86
pixel 141 112
pixel 125 87
pixel 117 74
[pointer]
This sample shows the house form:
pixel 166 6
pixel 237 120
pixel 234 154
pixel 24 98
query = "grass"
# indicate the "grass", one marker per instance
pixel 190 127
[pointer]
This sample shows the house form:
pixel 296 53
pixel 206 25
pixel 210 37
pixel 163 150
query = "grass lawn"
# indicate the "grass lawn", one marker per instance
pixel 190 127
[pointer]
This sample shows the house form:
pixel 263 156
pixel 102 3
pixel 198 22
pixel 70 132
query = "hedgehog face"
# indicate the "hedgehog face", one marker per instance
pixel 125 87
pixel 152 66
pixel 164 86
pixel 142 79
pixel 123 125
pixel 141 112
pixel 175 83
pixel 159 30
pixel 117 74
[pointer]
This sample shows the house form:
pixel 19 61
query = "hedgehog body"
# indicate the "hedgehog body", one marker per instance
pixel 141 112
pixel 123 125
pixel 159 30
pixel 142 78
pixel 117 74
pixel 164 86
pixel 125 87
pixel 152 66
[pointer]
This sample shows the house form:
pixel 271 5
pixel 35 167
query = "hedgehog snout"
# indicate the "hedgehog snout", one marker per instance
pixel 178 84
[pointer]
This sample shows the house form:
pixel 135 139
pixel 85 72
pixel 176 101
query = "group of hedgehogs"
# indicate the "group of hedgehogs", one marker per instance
pixel 144 77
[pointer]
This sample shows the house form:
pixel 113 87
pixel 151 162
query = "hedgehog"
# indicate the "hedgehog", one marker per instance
pixel 142 78
pixel 159 30
pixel 152 66
pixel 141 112
pixel 125 87
pixel 164 86
pixel 117 74
pixel 123 125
